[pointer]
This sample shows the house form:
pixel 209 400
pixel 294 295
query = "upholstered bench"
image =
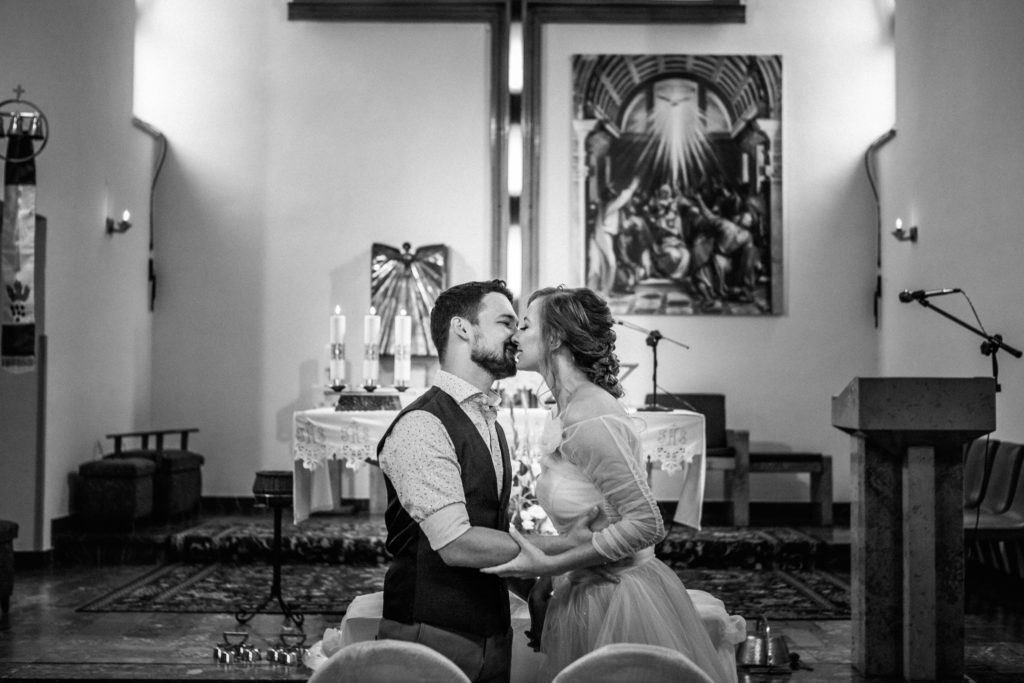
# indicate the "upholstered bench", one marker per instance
pixel 178 479
pixel 817 465
pixel 8 532
pixel 115 490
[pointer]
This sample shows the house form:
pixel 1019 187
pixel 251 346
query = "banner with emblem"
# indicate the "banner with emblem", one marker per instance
pixel 17 250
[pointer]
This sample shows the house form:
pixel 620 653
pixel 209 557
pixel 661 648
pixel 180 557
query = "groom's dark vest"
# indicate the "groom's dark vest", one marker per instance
pixel 419 586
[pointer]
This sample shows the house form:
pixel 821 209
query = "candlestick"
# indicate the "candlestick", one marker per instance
pixel 371 351
pixel 336 369
pixel 403 350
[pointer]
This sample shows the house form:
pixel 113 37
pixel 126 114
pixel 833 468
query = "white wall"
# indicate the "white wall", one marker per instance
pixel 75 62
pixel 778 373
pixel 955 170
pixel 294 146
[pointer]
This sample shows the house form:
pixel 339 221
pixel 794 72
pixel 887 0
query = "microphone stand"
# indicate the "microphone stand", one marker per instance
pixel 653 337
pixel 989 347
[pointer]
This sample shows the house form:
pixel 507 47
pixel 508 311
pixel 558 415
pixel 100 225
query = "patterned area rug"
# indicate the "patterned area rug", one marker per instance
pixel 346 540
pixel 740 548
pixel 328 589
pixel 319 539
pixel 223 588
pixel 777 594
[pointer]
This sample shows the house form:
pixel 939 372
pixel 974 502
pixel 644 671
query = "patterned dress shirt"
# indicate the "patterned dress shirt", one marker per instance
pixel 419 459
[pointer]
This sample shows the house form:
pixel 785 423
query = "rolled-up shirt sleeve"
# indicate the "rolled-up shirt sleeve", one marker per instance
pixel 419 459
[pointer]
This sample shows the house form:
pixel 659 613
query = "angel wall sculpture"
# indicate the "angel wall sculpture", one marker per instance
pixel 409 281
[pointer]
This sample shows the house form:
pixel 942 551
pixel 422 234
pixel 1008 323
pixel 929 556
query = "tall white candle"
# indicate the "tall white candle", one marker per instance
pixel 403 348
pixel 371 337
pixel 745 168
pixel 337 363
pixel 337 326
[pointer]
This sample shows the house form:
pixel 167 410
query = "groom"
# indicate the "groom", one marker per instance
pixel 448 476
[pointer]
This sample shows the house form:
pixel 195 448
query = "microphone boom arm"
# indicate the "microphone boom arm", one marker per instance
pixel 659 335
pixel 653 337
pixel 994 341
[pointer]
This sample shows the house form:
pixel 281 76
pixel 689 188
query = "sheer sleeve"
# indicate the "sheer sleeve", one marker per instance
pixel 607 449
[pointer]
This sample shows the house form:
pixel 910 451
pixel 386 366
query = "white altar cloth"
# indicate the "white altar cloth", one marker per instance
pixel 672 440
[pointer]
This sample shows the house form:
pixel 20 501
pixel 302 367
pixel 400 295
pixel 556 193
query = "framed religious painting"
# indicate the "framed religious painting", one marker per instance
pixel 678 183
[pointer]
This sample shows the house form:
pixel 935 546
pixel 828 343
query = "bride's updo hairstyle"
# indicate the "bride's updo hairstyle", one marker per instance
pixel 582 321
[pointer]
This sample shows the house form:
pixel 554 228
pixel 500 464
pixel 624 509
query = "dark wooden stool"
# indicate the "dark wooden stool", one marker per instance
pixel 273 488
pixel 817 465
pixel 115 491
pixel 178 479
pixel 8 532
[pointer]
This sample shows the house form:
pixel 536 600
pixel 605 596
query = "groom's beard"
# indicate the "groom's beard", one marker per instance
pixel 499 364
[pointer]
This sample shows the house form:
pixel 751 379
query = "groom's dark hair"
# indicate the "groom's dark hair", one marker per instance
pixel 460 301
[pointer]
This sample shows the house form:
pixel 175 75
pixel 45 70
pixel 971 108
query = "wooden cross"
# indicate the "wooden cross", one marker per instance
pixel 19 91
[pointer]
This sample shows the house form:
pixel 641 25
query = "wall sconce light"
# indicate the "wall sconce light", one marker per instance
pixel 119 226
pixel 904 234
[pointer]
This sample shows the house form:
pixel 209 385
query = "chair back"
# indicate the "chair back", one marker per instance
pixel 633 663
pixel 977 463
pixel 1002 482
pixel 387 661
pixel 1015 513
pixel 711 406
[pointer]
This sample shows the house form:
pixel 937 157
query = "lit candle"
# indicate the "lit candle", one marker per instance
pixel 371 335
pixel 337 326
pixel 403 349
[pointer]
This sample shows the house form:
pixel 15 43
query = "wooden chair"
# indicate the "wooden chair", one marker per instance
pixel 727 450
pixel 978 456
pixel 1006 466
pixel 997 538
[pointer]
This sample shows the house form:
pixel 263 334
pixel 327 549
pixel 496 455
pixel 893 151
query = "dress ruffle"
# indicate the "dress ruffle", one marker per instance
pixel 649 605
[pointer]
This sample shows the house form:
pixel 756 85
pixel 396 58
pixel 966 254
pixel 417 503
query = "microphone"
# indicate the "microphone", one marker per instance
pixel 906 296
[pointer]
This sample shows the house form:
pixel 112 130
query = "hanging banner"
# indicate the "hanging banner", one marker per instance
pixel 17 250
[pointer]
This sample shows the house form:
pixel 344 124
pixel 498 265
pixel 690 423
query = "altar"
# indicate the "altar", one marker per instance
pixel 673 442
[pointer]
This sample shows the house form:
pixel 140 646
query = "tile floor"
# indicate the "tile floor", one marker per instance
pixel 43 638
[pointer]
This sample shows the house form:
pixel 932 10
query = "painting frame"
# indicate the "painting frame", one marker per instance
pixel 544 126
pixel 677 181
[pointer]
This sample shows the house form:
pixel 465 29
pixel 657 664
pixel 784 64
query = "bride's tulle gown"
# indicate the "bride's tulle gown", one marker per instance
pixel 599 461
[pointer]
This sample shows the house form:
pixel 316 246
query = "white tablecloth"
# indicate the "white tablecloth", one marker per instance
pixel 672 440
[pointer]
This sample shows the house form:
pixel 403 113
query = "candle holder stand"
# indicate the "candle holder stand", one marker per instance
pixel 336 380
pixel 371 360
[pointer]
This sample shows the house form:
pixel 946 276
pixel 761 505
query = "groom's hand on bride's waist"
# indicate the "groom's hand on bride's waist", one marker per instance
pixel 586 526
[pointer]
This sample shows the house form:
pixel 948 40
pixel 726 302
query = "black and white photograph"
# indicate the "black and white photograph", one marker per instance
pixel 511 341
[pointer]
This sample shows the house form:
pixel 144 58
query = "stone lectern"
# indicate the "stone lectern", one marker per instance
pixel 907 557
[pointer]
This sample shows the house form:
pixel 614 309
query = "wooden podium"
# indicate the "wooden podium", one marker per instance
pixel 907 557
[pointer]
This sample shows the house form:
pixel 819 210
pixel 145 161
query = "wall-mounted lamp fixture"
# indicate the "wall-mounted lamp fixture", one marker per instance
pixel 904 234
pixel 119 226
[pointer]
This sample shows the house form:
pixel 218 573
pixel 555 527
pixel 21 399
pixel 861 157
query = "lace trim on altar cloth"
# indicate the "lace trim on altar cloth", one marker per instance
pixel 314 455
pixel 673 458
pixel 312 446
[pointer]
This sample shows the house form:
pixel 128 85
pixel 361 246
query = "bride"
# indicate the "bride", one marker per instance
pixel 612 590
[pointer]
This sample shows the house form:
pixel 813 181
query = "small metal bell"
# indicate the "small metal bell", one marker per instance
pixel 36 129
